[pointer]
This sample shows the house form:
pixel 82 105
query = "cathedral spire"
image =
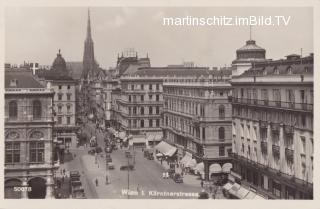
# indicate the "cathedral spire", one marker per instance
pixel 89 27
pixel 89 64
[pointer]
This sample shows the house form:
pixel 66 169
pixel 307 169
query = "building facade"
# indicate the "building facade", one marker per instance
pixel 64 87
pixel 197 117
pixel 273 128
pixel 29 167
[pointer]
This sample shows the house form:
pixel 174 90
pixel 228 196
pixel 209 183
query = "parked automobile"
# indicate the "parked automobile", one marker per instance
pixel 127 167
pixel 74 174
pixel 92 152
pixel 98 149
pixel 177 178
pixel 110 166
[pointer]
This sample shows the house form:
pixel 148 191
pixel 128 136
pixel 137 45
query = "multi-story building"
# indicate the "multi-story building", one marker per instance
pixel 273 128
pixel 197 117
pixel 64 86
pixel 29 167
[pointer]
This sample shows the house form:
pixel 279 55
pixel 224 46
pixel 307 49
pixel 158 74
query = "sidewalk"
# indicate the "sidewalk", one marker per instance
pixel 189 179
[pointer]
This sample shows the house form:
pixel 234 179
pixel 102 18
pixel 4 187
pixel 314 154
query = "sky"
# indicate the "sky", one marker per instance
pixel 35 34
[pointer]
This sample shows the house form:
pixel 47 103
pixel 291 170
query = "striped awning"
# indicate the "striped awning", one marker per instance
pixel 166 148
pixel 215 168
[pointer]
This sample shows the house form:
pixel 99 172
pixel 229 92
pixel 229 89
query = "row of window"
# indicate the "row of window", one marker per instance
pixel 36 109
pixel 133 87
pixel 186 126
pixel 59 120
pixel 60 95
pixel 60 87
pixel 304 96
pixel 68 108
pixel 133 110
pixel 190 107
pixel 191 92
pixel 141 98
pixel 299 119
pixel 141 123
pixel 13 152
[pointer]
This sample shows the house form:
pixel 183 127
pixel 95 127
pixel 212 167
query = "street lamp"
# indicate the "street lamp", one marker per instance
pixel 128 168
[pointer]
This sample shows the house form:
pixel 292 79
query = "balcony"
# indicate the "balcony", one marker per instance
pixel 274 104
pixel 276 150
pixel 196 120
pixel 289 154
pixel 275 127
pixel 289 129
pixel 264 147
pixel 263 124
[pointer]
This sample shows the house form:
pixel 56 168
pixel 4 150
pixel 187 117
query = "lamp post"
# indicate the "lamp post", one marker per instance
pixel 128 168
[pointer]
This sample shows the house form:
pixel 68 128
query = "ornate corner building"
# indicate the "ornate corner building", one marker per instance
pixel 29 166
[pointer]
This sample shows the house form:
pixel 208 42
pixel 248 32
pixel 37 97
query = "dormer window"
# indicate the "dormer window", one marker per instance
pixel 276 71
pixel 306 69
pixel 289 70
pixel 14 83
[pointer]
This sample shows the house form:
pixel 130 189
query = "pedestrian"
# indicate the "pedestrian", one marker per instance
pixel 201 183
pixel 64 171
pixel 107 180
pixel 138 189
pixel 210 188
pixel 163 175
pixel 97 182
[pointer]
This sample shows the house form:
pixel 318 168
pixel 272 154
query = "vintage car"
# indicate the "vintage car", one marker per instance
pixel 177 178
pixel 110 166
pixel 127 167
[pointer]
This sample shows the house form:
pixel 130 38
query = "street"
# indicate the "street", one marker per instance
pixel 145 181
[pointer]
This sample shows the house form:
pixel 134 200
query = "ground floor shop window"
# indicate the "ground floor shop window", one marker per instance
pixel 276 189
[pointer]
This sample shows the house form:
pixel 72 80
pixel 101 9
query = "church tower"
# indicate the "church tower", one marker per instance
pixel 89 63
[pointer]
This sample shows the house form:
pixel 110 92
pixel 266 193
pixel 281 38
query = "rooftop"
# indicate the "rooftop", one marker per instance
pixel 21 79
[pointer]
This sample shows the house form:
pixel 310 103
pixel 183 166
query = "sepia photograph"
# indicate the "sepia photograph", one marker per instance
pixel 158 103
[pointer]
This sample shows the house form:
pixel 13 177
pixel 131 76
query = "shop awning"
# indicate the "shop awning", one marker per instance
pixel 111 130
pixel 226 167
pixel 215 168
pixel 137 139
pixel 242 192
pixel 200 168
pixel 227 186
pixel 258 197
pixel 235 187
pixel 191 164
pixel 187 157
pixel 166 148
pixel 154 137
pixel 250 195
pixel 122 135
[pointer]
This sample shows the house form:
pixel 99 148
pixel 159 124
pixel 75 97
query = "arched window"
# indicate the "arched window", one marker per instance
pixel 13 109
pixel 221 133
pixel 36 109
pixel 221 112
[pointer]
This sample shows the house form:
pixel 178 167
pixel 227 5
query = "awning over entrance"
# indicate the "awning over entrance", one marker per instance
pixel 166 148
pixel 200 168
pixel 226 167
pixel 137 139
pixel 242 192
pixel 191 164
pixel 154 137
pixel 235 187
pixel 122 135
pixel 227 186
pixel 215 168
pixel 111 130
pixel 187 157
